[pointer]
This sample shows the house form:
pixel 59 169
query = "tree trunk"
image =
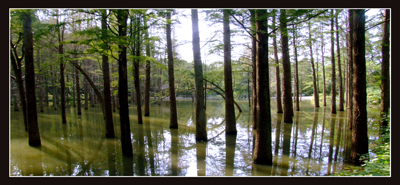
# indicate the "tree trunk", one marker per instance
pixel 54 88
pixel 62 84
pixel 147 83
pixel 323 65
pixel 39 80
pixel 201 132
pixel 230 125
pixel 360 128
pixel 122 16
pixel 333 83
pixel 341 95
pixel 287 85
pixel 78 93
pixel 17 68
pixel 315 88
pixel 33 127
pixel 385 67
pixel 296 79
pixel 262 150
pixel 277 71
pixel 106 81
pixel 254 68
pixel 173 117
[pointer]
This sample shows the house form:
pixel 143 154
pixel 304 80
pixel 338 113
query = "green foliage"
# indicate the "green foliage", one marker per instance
pixel 373 95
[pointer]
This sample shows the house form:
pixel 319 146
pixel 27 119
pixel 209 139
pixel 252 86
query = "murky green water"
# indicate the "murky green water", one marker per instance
pixel 312 146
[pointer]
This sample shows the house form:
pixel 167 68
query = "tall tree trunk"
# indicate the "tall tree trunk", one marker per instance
pixel 54 88
pixel 39 80
pixel 33 127
pixel 230 122
pixel 385 67
pixel 254 68
pixel 323 65
pixel 277 71
pixel 315 88
pixel 201 132
pixel 106 81
pixel 173 117
pixel 46 92
pixel 73 86
pixel 122 16
pixel 350 63
pixel 287 85
pixel 360 128
pixel 341 95
pixel 296 79
pixel 262 150
pixel 147 83
pixel 78 93
pixel 333 76
pixel 62 77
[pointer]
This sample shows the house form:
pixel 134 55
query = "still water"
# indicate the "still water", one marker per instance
pixel 313 145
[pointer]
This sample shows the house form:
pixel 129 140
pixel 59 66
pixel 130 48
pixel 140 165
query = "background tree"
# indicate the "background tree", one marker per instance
pixel 171 80
pixel 341 95
pixel 385 67
pixel 277 71
pixel 333 82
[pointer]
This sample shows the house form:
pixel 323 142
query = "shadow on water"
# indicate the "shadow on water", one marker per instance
pixel 317 143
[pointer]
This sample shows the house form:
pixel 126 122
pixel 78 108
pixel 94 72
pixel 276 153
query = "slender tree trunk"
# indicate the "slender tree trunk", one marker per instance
pixel 122 16
pixel 62 84
pixel 360 128
pixel 201 132
pixel 315 88
pixel 106 81
pixel 33 127
pixel 277 75
pixel 254 68
pixel 39 80
pixel 230 122
pixel 16 106
pixel 54 88
pixel 46 92
pixel 287 85
pixel 296 79
pixel 73 86
pixel 385 67
pixel 17 68
pixel 147 83
pixel 262 150
pixel 341 95
pixel 78 93
pixel 333 83
pixel 323 65
pixel 173 117
pixel 350 63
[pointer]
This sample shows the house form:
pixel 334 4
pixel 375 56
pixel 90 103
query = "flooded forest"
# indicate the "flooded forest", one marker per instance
pixel 199 92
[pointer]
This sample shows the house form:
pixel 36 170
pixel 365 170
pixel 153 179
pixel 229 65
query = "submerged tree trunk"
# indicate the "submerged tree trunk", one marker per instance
pixel 287 85
pixel 315 88
pixel 333 76
pixel 230 124
pixel 253 65
pixel 147 83
pixel 296 79
pixel 122 16
pixel 385 67
pixel 171 79
pixel 341 95
pixel 78 92
pixel 62 76
pixel 33 126
pixel 323 65
pixel 360 127
pixel 262 149
pixel 106 82
pixel 277 71
pixel 201 132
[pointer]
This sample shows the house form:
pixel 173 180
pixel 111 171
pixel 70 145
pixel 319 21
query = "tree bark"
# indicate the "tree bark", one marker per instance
pixel 277 71
pixel 296 79
pixel 315 88
pixel 385 67
pixel 360 128
pixel 287 85
pixel 147 83
pixel 341 95
pixel 254 68
pixel 350 63
pixel 323 65
pixel 171 79
pixel 33 127
pixel 262 150
pixel 333 76
pixel 201 124
pixel 106 81
pixel 122 16
pixel 230 124
pixel 62 77
pixel 78 93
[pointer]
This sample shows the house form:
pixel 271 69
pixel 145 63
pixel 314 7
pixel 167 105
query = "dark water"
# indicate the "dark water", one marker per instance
pixel 314 145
